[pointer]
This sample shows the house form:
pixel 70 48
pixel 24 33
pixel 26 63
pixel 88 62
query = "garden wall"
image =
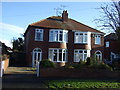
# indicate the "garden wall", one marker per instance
pixel 77 73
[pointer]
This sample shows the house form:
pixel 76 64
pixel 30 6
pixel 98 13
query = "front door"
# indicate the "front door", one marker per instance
pixel 98 56
pixel 37 56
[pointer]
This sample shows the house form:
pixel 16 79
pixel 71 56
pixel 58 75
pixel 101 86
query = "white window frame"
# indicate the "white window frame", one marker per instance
pixel 84 36
pixel 96 55
pixel 56 36
pixel 112 56
pixel 38 58
pixel 52 58
pixel 77 51
pixel 98 39
pixel 37 30
pixel 107 44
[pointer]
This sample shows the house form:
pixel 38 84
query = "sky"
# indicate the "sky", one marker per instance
pixel 16 16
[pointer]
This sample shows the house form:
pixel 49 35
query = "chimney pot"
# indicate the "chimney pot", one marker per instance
pixel 65 16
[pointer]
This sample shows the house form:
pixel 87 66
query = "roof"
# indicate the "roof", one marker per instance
pixel 56 22
pixel 111 36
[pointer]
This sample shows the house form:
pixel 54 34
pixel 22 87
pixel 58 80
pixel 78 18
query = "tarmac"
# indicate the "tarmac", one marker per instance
pixel 21 78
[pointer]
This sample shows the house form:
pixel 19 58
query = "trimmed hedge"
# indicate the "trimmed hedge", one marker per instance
pixel 47 64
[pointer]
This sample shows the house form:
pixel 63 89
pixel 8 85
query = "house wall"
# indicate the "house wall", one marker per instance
pixel 114 46
pixel 44 45
pixel 97 47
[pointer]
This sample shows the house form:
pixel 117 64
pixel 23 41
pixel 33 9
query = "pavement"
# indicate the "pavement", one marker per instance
pixel 21 77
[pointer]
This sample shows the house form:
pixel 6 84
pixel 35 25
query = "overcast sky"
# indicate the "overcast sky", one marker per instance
pixel 16 16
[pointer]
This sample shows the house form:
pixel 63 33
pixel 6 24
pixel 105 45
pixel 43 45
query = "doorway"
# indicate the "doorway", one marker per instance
pixel 37 56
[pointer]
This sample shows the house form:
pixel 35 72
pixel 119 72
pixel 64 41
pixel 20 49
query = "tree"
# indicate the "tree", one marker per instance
pixel 18 45
pixel 110 17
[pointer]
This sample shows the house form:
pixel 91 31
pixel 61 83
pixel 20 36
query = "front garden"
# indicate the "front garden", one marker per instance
pixel 88 69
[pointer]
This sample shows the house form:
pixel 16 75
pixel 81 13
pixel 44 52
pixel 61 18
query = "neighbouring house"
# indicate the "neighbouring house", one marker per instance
pixel 62 39
pixel 112 47
pixel 0 48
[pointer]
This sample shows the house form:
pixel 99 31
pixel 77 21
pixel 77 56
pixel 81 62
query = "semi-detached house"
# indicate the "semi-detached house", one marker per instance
pixel 62 39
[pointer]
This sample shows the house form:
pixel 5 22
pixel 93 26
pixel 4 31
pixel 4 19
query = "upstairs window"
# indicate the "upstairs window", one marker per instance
pixel 97 39
pixel 39 34
pixel 80 37
pixel 58 36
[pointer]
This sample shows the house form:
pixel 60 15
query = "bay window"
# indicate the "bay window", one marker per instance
pixel 58 55
pixel 58 36
pixel 81 37
pixel 80 55
pixel 39 34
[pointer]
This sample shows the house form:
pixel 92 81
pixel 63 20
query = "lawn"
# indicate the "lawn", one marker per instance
pixel 83 84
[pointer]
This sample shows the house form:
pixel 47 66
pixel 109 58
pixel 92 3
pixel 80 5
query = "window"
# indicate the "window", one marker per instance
pixel 58 36
pixel 97 39
pixel 39 34
pixel 58 55
pixel 107 44
pixel 80 55
pixel 81 37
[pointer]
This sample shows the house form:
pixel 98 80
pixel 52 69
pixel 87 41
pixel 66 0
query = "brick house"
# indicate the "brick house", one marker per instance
pixel 112 47
pixel 62 40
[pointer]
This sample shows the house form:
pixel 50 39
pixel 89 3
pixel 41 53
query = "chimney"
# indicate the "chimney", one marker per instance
pixel 64 16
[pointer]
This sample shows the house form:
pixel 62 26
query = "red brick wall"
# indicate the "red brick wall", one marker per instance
pixel 45 45
pixel 114 46
pixel 97 47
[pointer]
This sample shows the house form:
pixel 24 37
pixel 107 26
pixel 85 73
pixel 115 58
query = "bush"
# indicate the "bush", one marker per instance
pixel 47 64
pixel 76 65
pixel 4 56
pixel 101 65
pixel 88 61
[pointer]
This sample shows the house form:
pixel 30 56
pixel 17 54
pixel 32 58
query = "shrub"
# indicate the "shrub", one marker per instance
pixel 88 61
pixel 101 65
pixel 104 66
pixel 47 64
pixel 4 56
pixel 81 62
pixel 76 65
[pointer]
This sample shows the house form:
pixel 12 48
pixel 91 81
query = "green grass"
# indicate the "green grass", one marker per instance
pixel 83 84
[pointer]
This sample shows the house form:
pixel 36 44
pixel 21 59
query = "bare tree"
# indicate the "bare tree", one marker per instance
pixel 110 17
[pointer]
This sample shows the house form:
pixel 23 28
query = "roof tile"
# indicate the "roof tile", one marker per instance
pixel 55 22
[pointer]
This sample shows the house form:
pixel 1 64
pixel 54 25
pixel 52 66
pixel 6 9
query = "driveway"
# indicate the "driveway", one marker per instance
pixel 21 77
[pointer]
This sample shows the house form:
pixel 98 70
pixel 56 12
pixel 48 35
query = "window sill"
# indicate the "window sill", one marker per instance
pixel 58 41
pixel 80 43
pixel 38 40
pixel 97 44
pixel 60 61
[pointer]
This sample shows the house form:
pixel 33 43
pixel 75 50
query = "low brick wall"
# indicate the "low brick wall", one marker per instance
pixel 76 73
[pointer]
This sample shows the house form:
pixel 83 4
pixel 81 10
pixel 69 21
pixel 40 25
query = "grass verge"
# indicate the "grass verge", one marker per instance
pixel 83 84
